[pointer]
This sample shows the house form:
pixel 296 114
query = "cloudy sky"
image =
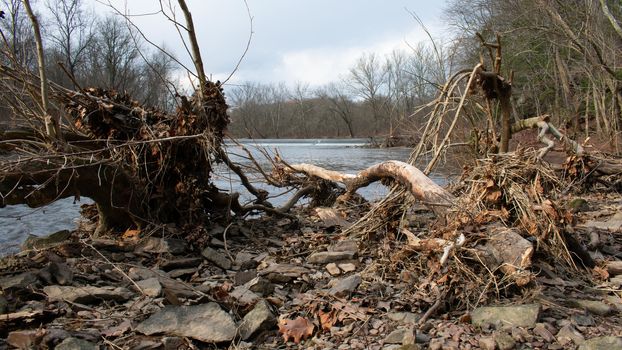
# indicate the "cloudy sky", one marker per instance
pixel 311 41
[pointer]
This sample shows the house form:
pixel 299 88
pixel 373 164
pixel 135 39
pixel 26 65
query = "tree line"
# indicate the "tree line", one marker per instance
pixel 377 97
pixel 563 58
pixel 85 49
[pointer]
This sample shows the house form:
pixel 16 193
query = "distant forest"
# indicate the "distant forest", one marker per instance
pixel 564 57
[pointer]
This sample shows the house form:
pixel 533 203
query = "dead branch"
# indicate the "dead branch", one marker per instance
pixel 411 178
pixel 543 123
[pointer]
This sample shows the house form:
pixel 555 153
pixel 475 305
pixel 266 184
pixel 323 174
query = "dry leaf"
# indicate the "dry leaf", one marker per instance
pixel 297 329
pixel 600 273
pixel 549 208
pixel 327 319
pixel 131 235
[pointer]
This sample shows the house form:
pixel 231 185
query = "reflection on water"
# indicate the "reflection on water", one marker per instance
pixel 16 222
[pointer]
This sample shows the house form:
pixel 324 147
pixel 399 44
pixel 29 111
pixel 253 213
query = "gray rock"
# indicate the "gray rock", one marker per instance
pixel 151 287
pixel 158 245
pixel 76 344
pixel 260 285
pixel 543 332
pixel 207 322
pixel 173 343
pixel 593 306
pixel 88 294
pixel 244 296
pixel 345 286
pixel 568 334
pixel 182 272
pixel 582 320
pixel 3 305
pixel 217 258
pixel 404 317
pixel 37 242
pixel 487 343
pixel 602 343
pixel 21 281
pixel 180 263
pixel 56 272
pixel 280 273
pixel 400 336
pixel 141 273
pixel 259 318
pixel 518 316
pixel 504 341
pixel 613 223
pixel 242 277
pixel 328 257
pixel 347 245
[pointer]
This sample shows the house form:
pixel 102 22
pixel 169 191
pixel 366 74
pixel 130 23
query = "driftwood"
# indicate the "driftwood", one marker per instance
pixel 543 123
pixel 418 184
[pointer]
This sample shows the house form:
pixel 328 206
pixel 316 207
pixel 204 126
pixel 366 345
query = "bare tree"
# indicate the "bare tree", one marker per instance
pixel 115 56
pixel 367 79
pixel 72 33
pixel 339 103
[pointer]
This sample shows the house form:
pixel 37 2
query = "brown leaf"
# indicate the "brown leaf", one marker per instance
pixel 131 235
pixel 297 329
pixel 600 273
pixel 549 208
pixel 327 319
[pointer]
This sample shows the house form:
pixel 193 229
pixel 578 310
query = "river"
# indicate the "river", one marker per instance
pixel 348 155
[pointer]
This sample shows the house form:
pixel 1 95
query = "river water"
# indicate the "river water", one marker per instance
pixel 18 221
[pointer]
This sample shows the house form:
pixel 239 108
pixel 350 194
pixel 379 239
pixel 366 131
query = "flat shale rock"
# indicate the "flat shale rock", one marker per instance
pixel 76 344
pixel 87 294
pixel 151 287
pixel 21 281
pixel 593 306
pixel 404 317
pixel 283 272
pixel 518 316
pixel 180 263
pixel 207 322
pixel 346 245
pixel 345 286
pixel 602 343
pixel 158 245
pixel 568 335
pixel 400 336
pixel 217 258
pixel 47 241
pixel 329 257
pixel 260 318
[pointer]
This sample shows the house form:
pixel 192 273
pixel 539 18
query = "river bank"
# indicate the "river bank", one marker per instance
pixel 269 283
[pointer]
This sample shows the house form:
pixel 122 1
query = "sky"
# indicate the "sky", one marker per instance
pixel 312 41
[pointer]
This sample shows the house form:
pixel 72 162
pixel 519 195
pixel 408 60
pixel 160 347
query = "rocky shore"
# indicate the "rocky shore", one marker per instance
pixel 276 283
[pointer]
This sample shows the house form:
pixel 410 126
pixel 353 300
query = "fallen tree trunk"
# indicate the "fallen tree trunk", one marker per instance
pixel 39 183
pixel 411 178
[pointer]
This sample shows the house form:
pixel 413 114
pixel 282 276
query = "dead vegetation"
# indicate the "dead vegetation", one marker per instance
pixel 431 253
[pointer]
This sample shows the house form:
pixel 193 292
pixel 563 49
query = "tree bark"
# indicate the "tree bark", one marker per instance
pixel 546 127
pixel 411 178
pixel 52 124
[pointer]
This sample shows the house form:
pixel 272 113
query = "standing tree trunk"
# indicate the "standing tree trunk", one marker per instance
pixel 52 124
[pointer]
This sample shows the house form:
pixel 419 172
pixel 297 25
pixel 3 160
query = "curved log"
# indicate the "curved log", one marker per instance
pixel 40 183
pixel 413 179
